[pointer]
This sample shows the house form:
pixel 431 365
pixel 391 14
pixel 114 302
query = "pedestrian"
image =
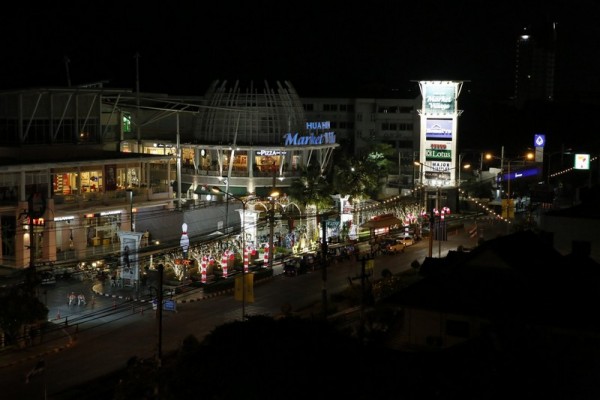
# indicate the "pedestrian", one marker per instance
pixel 72 298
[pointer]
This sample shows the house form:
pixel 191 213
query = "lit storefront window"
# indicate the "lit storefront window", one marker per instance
pixel 126 123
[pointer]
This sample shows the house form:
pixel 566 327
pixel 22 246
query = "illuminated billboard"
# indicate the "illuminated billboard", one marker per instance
pixel 438 129
pixel 439 97
pixel 438 155
pixel 524 173
pixel 582 161
pixel 439 132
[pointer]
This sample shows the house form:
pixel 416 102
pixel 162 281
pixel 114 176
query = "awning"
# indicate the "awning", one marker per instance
pixel 381 223
pixel 202 190
pixel 184 187
pixel 233 190
pixel 265 191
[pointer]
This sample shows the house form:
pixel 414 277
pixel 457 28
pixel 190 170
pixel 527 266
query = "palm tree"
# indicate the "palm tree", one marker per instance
pixel 312 191
pixel 356 178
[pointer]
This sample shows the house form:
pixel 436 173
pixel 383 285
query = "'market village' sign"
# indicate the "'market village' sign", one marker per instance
pixel 297 140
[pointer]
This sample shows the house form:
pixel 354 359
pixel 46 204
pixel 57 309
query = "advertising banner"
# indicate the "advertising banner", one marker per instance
pixel 244 289
pixel 439 155
pixel 129 263
pixel 438 129
pixel 582 161
pixel 439 97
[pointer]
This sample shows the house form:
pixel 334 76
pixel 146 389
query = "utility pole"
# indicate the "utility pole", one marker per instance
pixel 272 216
pixel 362 297
pixel 324 266
pixel 138 123
pixel 35 213
pixel 161 269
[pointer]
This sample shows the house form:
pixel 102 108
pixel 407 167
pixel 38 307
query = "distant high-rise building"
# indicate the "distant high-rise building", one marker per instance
pixel 535 64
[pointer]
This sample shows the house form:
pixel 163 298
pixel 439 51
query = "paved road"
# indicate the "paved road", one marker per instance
pixel 116 328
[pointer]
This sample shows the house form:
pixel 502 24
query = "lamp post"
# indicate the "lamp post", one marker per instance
pixel 437 215
pixel 184 243
pixel 217 189
pixel 433 216
pixel 422 186
pixel 130 196
pixel 460 157
pixel 528 156
pixel 272 199
pixel 159 306
pixel 161 269
pixel 460 167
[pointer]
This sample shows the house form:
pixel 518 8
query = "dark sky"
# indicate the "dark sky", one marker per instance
pixel 324 49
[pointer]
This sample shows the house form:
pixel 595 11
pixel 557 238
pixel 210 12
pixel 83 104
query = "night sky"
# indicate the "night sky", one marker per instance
pixel 326 49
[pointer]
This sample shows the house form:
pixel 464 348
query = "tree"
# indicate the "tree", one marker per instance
pixel 352 177
pixel 237 360
pixel 20 307
pixel 311 188
pixel 313 192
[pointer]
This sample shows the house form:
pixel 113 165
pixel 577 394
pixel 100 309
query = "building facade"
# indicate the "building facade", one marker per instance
pixel 98 158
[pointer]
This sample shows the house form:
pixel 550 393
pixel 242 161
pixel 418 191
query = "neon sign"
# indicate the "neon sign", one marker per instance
pixel 311 126
pixel 297 140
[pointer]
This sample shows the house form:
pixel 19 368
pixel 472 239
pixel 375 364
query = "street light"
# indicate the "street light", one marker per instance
pixel 274 195
pixel 528 156
pixel 437 207
pixel 130 195
pixel 216 189
pixel 460 167
pixel 159 306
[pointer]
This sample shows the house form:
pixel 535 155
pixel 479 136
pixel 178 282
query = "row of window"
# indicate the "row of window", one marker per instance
pixel 342 125
pixel 42 131
pixel 331 107
pixel 385 126
pixel 392 126
pixel 395 109
pixel 350 108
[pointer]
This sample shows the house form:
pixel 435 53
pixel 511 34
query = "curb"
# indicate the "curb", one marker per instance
pixel 36 356
pixel 191 300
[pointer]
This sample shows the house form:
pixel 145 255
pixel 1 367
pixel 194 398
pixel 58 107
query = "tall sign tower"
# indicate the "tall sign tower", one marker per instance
pixel 439 132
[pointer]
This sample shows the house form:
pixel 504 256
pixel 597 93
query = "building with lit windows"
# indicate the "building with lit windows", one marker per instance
pixel 102 158
pixel 107 161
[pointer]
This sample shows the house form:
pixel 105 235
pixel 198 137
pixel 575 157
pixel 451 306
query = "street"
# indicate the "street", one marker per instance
pixel 106 332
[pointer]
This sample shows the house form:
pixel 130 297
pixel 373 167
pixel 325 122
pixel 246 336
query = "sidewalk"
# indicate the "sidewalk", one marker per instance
pixel 189 294
pixel 57 339
pixel 61 338
pixel 131 293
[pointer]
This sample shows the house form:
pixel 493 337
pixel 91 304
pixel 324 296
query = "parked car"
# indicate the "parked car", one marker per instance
pixel 394 248
pixel 294 266
pixel 407 240
pixel 47 278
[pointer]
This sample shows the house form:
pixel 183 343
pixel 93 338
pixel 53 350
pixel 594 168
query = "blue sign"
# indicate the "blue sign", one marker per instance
pixel 539 140
pixel 521 174
pixel 169 305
